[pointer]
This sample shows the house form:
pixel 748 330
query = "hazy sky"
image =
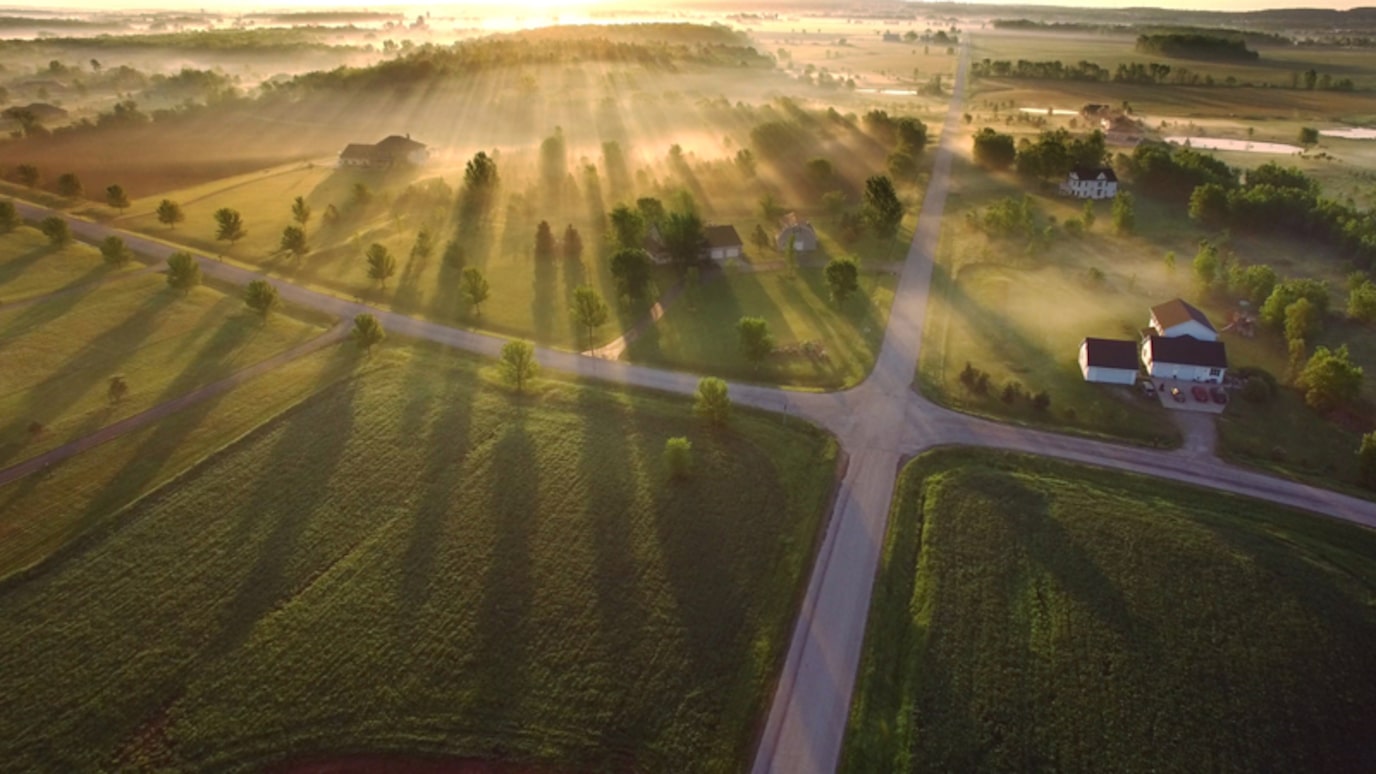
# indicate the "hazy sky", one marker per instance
pixel 557 5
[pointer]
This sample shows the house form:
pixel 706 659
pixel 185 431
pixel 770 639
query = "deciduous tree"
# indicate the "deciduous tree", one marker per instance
pixel 183 271
pixel 294 241
pixel 631 269
pixel 300 212
pixel 381 264
pixel 69 185
pixel 589 310
pixel 843 278
pixel 423 246
pixel 27 174
pixel 117 198
pixel 711 400
pixel 116 388
pixel 1330 379
pixel 367 332
pixel 229 226
pixel 628 227
pixel 170 213
pixel 1124 214
pixel 475 290
pixel 683 236
pixel 544 241
pixel 1301 320
pixel 755 340
pixel 518 363
pixel 56 230
pixel 115 252
pixel 261 297
pixel 9 216
pixel 678 457
pixel 883 211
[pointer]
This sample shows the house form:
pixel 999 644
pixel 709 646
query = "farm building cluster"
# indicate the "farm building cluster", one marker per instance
pixel 1179 344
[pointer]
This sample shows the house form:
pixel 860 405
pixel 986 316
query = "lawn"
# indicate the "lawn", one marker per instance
pixel 1032 615
pixel 698 332
pixel 65 350
pixel 417 562
pixel 31 266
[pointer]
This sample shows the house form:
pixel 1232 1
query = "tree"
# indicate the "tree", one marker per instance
pixel 381 264
pixel 1361 302
pixel 1124 213
pixel 711 400
pixel 628 227
pixel 1330 379
pixel 362 195
pixel 755 341
pixel 1308 136
pixel 1286 293
pixel 56 230
pixel 423 246
pixel 116 389
pixel 818 171
pixel 475 290
pixel 1301 320
pixel 294 241
pixel 1207 266
pixel 117 198
pixel 367 332
pixel 761 238
pixel 518 363
pixel 183 272
pixel 1209 205
pixel 9 217
pixel 1366 461
pixel 573 243
pixel 1088 216
pixel 994 150
pixel 678 457
pixel 170 213
pixel 589 310
pixel 650 209
pixel 69 186
pixel 115 252
pixel 883 212
pixel 843 277
pixel 27 174
pixel 683 237
pixel 261 297
pixel 544 241
pixel 631 269
pixel 300 212
pixel 229 226
pixel 480 175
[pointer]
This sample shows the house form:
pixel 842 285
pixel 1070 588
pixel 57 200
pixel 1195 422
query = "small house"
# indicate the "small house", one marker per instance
pixel 1090 183
pixel 796 231
pixel 1108 361
pixel 1184 357
pixel 722 242
pixel 385 154
pixel 1179 318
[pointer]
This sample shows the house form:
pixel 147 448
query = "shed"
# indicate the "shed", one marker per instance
pixel 723 242
pixel 1108 361
pixel 798 231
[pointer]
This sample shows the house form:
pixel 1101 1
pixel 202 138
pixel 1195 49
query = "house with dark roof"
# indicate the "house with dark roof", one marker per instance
pixel 1090 183
pixel 722 242
pixel 1178 317
pixel 797 231
pixel 1185 358
pixel 389 152
pixel 1108 361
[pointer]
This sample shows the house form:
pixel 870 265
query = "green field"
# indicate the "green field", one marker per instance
pixel 698 332
pixel 1035 615
pixel 31 266
pixel 65 350
pixel 416 561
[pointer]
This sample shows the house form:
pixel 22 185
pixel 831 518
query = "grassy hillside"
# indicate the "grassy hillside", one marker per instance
pixel 416 561
pixel 1034 615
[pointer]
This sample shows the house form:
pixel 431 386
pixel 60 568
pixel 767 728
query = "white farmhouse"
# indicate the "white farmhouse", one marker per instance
pixel 1179 318
pixel 1090 183
pixel 1185 358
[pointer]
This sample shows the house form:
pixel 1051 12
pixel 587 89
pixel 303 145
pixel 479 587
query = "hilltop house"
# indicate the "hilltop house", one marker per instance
pixel 798 231
pixel 386 154
pixel 1108 361
pixel 1090 183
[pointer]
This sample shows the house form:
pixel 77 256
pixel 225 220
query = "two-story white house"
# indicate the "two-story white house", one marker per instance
pixel 1090 183
pixel 1183 344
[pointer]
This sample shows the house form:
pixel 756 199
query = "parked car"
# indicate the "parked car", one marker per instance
pixel 1148 389
pixel 1177 395
pixel 1219 395
pixel 1200 394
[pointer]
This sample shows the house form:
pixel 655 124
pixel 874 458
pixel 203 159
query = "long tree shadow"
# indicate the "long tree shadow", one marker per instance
pixel 15 267
pixel 545 302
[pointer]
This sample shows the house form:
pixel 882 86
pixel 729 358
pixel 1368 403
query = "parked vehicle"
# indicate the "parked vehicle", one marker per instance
pixel 1219 395
pixel 1177 395
pixel 1148 389
pixel 1200 394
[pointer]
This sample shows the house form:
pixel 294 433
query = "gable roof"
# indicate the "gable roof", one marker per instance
pixel 793 220
pixel 1187 350
pixel 356 150
pixel 1111 353
pixel 1177 311
pixel 397 145
pixel 722 236
pixel 1093 173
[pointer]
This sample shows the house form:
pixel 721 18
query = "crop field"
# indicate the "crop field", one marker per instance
pixel 698 332
pixel 31 266
pixel 416 561
pixel 65 350
pixel 1032 614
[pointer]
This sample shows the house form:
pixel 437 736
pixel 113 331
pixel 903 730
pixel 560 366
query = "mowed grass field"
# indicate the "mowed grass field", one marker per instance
pixel 63 351
pixel 31 266
pixel 698 332
pixel 416 561
pixel 1031 615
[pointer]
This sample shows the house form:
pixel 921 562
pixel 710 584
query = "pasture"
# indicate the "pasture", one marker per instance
pixel 32 266
pixel 1033 614
pixel 416 561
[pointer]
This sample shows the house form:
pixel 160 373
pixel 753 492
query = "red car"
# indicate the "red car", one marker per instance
pixel 1220 397
pixel 1200 394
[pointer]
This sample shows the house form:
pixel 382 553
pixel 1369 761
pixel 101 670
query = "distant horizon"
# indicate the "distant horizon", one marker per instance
pixel 556 7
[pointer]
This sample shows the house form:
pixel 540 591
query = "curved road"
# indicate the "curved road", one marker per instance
pixel 877 424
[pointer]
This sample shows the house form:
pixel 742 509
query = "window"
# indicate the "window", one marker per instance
pixel 1214 373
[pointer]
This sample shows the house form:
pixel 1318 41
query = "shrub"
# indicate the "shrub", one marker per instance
pixel 1041 401
pixel 678 457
